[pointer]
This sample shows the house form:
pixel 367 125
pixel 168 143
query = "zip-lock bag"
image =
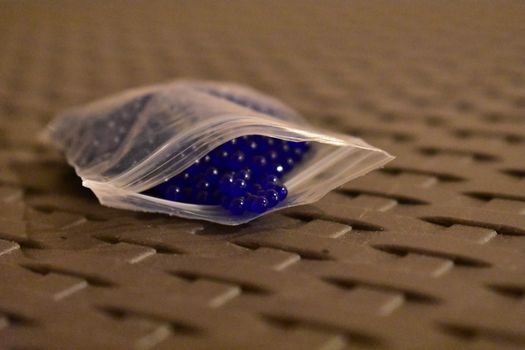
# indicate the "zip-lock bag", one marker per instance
pixel 203 150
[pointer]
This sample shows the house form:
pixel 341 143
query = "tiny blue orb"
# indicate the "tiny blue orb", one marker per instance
pixel 281 191
pixel 237 206
pixel 238 187
pixel 259 204
pixel 272 196
pixel 236 160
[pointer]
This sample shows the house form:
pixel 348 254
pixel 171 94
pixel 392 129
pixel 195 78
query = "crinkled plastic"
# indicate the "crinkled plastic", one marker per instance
pixel 126 144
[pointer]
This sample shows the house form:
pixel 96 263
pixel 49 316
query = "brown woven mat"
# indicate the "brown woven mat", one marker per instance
pixel 427 253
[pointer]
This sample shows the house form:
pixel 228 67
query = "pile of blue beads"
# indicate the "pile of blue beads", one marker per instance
pixel 241 175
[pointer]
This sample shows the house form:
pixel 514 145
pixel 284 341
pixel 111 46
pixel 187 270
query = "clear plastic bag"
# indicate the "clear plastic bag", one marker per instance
pixel 129 143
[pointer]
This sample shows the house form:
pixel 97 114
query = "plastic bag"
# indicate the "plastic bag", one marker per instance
pixel 124 145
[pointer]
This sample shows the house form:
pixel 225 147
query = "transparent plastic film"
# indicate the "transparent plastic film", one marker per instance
pixel 210 147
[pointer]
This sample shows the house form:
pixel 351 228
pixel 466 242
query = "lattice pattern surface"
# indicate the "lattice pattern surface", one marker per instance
pixel 427 253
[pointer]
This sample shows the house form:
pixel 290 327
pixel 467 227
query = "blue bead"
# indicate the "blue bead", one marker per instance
pixel 259 164
pixel 252 146
pixel 296 154
pixel 288 164
pixel 281 191
pixel 219 157
pixel 196 165
pixel 238 187
pixel 212 175
pixel 237 206
pixel 255 188
pixel 285 147
pixel 304 146
pixel 203 185
pixel 174 193
pixel 244 174
pixel 266 144
pixel 277 169
pixel 259 205
pixel 249 197
pixel 272 156
pixel 204 162
pixel 272 196
pixel 271 179
pixel 226 183
pixel 183 178
pixel 236 160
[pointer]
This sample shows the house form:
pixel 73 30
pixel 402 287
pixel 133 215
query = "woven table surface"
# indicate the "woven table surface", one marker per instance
pixel 427 253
